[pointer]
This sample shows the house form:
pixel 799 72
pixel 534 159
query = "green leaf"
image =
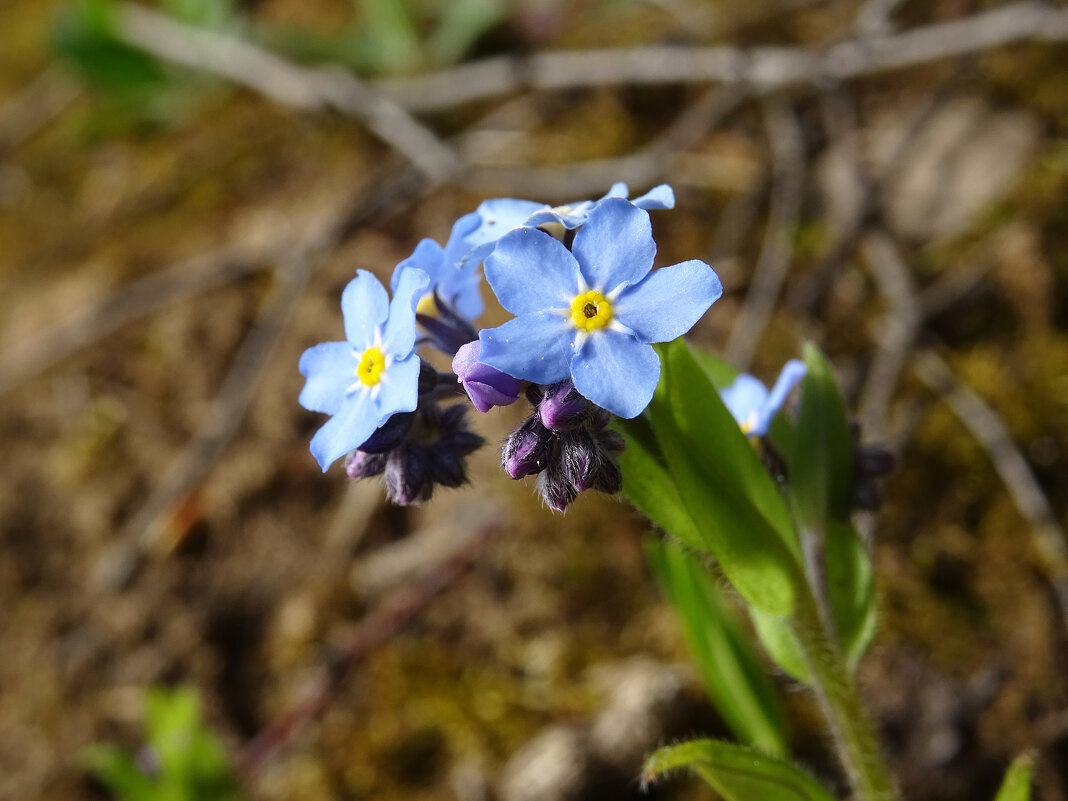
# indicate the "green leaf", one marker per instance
pixel 390 35
pixel 781 644
pixel 1017 783
pixel 460 25
pixel 737 773
pixel 649 486
pixel 850 590
pixel 737 509
pixel 119 772
pixel 83 36
pixel 821 457
pixel 820 460
pixel 732 672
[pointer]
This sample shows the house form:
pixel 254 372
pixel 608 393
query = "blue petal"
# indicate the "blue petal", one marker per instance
pixel 669 301
pixel 744 398
pixel 460 244
pixel 399 390
pixel 569 215
pixel 530 271
pixel 365 305
pixel 428 256
pixel 659 197
pixel 499 216
pixel 618 190
pixel 537 347
pixel 615 246
pixel 347 430
pixel 399 336
pixel 330 368
pixel 617 372
pixel 792 372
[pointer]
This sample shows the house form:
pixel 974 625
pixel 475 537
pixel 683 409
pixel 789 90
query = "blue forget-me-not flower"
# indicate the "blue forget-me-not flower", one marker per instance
pixel 371 376
pixel 452 279
pixel 753 406
pixel 590 313
pixel 499 216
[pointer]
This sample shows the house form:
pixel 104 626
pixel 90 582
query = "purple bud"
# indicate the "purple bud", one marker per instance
pixel 360 464
pixel 561 407
pixel 555 488
pixel 406 476
pixel 588 461
pixel 528 449
pixel 487 387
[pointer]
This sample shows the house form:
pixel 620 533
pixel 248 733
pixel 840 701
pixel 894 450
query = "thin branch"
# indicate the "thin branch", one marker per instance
pixel 788 158
pixel 1047 536
pixel 764 69
pixel 841 125
pixel 291 85
pixel 645 167
pixel 896 332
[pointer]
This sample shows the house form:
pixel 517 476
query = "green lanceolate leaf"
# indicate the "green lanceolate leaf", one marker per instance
pixel 821 458
pixel 819 453
pixel 737 773
pixel 737 509
pixel 733 675
pixel 649 486
pixel 850 590
pixel 1017 783
pixel 781 644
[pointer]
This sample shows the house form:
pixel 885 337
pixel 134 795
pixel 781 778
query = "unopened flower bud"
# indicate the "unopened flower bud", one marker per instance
pixel 528 449
pixel 562 408
pixel 588 461
pixel 406 476
pixel 360 464
pixel 556 488
pixel 486 386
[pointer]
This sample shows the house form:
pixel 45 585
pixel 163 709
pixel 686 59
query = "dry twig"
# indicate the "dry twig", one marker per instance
pixel 788 174
pixel 286 83
pixel 763 69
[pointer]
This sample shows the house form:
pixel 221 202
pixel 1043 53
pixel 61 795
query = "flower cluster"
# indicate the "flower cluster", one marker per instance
pixel 587 306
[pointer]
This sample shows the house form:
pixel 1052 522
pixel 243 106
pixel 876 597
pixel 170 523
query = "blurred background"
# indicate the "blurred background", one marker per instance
pixel 186 186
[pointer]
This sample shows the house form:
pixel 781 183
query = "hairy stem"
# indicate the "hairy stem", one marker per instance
pixel 854 738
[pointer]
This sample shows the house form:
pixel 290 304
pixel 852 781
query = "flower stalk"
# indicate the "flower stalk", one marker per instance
pixel 842 708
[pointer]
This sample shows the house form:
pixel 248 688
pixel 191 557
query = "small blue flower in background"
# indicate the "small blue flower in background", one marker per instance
pixel 753 406
pixel 498 217
pixel 456 285
pixel 590 313
pixel 374 374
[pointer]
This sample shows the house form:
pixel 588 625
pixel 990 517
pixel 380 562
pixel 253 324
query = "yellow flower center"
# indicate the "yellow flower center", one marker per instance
pixel 590 310
pixel 372 363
